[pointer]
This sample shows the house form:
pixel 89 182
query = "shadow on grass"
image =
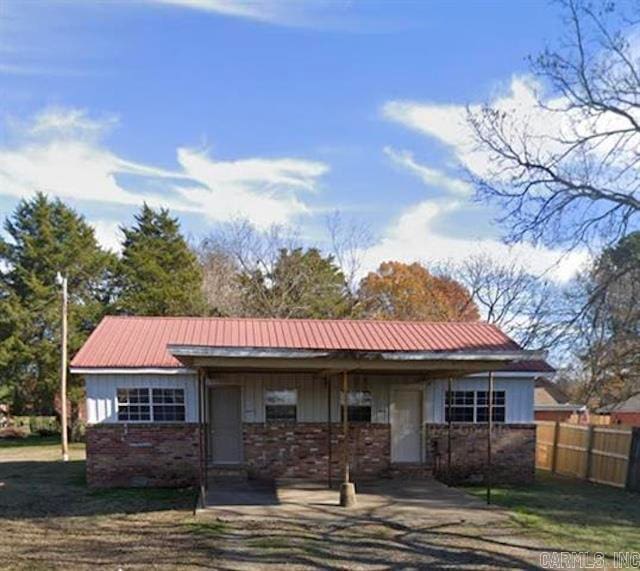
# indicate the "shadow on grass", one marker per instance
pixel 585 513
pixel 34 489
pixel 40 499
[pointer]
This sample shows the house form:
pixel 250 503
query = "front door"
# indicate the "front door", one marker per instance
pixel 225 422
pixel 406 423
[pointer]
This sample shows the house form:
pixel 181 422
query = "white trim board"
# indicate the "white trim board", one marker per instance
pixel 132 371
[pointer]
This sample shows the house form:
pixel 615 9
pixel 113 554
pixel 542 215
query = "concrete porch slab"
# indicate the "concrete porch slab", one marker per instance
pixel 406 501
pixel 396 525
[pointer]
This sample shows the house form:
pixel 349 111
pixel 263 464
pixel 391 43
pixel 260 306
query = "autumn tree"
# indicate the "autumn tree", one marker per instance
pixel 159 274
pixel 410 292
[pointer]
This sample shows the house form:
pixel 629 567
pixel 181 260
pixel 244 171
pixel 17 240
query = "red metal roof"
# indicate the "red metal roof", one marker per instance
pixel 121 342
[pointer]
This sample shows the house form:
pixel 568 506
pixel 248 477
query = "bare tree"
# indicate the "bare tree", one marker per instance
pixel 349 240
pixel 249 272
pixel 568 171
pixel 221 282
pixel 236 259
pixel 523 305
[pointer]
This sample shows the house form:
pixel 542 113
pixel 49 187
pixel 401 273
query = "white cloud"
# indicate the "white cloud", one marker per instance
pixel 412 237
pixel 543 126
pixel 108 234
pixel 448 123
pixel 413 232
pixel 281 12
pixel 65 122
pixel 428 175
pixel 61 152
pixel 255 10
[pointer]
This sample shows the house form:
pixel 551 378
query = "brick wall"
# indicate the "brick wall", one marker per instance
pixel 553 415
pixel 120 455
pixel 513 452
pixel 629 418
pixel 301 450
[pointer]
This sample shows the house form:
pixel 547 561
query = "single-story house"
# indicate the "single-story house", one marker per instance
pixel 626 412
pixel 173 400
pixel 552 403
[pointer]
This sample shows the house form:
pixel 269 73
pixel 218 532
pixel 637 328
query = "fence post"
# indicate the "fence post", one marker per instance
pixel 587 474
pixel 554 450
pixel 633 466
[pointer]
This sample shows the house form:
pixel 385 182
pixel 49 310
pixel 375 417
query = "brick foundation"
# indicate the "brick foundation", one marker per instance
pixel 132 455
pixel 513 452
pixel 301 450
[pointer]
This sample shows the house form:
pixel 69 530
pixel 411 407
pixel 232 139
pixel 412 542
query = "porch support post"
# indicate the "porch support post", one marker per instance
pixel 347 489
pixel 201 446
pixel 489 433
pixel 329 434
pixel 449 424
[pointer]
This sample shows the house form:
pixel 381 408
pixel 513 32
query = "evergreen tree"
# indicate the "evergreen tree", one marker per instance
pixel 159 274
pixel 46 237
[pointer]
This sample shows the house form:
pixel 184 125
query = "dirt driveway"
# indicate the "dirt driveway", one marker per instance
pixel 397 525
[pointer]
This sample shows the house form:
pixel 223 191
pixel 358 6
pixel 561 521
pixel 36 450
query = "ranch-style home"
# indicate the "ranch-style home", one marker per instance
pixel 174 401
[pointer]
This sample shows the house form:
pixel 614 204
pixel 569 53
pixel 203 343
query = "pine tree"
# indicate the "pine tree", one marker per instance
pixel 159 274
pixel 46 237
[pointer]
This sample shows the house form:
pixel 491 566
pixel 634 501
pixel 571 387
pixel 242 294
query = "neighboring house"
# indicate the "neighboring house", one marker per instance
pixel 172 400
pixel 552 403
pixel 626 412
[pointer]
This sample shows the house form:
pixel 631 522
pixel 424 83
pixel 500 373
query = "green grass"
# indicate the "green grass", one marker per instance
pixel 31 440
pixel 207 528
pixel 578 516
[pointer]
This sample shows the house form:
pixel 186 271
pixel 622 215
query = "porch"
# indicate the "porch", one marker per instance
pixel 232 499
pixel 292 425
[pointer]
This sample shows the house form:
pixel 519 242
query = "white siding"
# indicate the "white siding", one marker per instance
pixel 312 393
pixel 518 394
pixel 101 393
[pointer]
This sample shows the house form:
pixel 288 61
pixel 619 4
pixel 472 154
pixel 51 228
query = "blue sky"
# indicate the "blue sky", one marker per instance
pixel 280 112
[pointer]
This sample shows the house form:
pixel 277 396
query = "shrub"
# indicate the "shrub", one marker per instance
pixel 42 425
pixel 78 429
pixel 13 432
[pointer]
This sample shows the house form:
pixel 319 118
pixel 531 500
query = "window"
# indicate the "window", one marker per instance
pixel 497 408
pixel 281 405
pixel 359 405
pixel 162 405
pixel 472 406
pixel 168 405
pixel 133 405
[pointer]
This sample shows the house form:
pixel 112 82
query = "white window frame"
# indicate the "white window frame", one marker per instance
pixel 273 390
pixel 151 405
pixel 475 406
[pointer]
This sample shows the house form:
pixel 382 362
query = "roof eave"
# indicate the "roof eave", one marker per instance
pixel 455 363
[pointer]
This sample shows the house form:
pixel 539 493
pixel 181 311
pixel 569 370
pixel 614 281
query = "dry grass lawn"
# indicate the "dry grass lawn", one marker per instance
pixel 50 520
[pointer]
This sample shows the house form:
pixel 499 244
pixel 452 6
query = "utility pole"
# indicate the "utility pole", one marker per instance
pixel 62 281
pixel 489 434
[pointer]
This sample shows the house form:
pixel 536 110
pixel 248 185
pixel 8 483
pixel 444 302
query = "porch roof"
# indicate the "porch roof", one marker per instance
pixel 169 342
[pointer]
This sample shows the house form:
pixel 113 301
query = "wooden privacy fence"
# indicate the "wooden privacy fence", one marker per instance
pixel 602 454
